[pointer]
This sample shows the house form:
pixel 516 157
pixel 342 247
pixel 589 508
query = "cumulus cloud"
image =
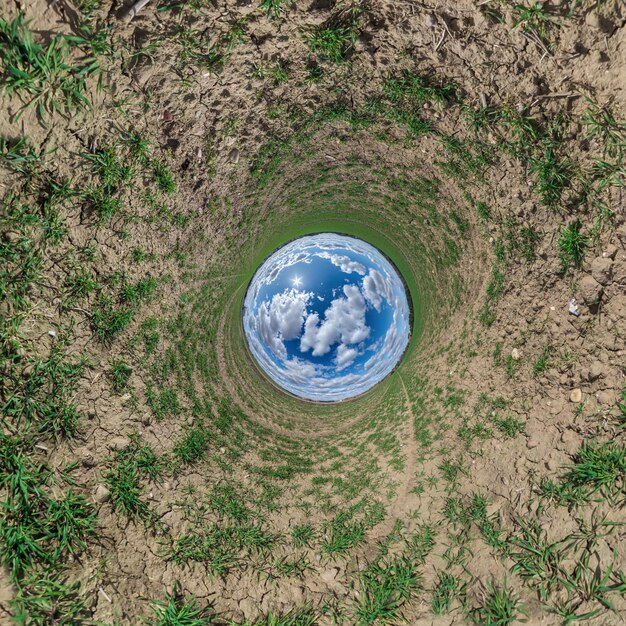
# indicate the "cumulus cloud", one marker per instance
pixel 360 355
pixel 344 322
pixel 344 263
pixel 281 319
pixel 266 276
pixel 345 356
pixel 376 288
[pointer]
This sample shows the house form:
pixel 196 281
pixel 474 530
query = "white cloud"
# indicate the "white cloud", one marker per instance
pixel 344 322
pixel 270 319
pixel 287 312
pixel 344 263
pixel 345 356
pixel 375 288
pixel 282 319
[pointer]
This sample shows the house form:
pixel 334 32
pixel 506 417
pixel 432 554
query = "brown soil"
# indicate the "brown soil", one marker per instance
pixel 209 128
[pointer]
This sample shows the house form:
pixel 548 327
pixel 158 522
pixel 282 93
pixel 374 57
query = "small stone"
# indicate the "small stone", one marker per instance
pixel 605 397
pixel 430 20
pixel 52 333
pixel 610 251
pixel 596 371
pixel 576 395
pixel 102 494
pixel 572 307
pixel 602 270
pixel 119 443
pixel 515 354
pixel 223 450
pixel 590 290
pixel 532 443
pixel 86 457
pixel 11 236
pixel 233 156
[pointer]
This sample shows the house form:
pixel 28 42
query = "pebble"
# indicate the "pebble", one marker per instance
pixel 576 395
pixel 605 397
pixel 596 371
pixel 515 354
pixel 590 290
pixel 102 494
pixel 86 457
pixel 532 443
pixel 52 333
pixel 602 269
pixel 233 156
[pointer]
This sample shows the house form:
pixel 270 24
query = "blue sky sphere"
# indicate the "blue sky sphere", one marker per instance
pixel 326 317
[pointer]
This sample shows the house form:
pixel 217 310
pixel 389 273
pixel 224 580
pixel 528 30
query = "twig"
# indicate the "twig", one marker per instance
pixel 102 591
pixel 140 4
pixel 534 38
pixel 554 95
pixel 445 25
pixel 559 95
pixel 443 36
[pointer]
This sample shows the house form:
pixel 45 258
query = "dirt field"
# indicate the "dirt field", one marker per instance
pixel 149 474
